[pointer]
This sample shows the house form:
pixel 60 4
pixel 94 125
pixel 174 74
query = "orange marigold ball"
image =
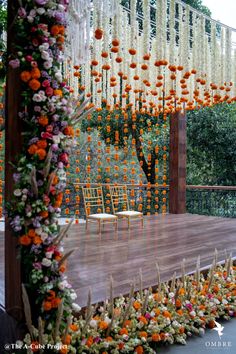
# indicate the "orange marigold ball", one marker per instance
pixel 98 34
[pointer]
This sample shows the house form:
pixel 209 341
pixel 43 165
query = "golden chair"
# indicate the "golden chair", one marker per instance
pixel 93 201
pixel 119 199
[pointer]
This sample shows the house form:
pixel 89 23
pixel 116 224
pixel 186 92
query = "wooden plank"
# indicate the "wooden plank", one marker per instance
pixel 165 238
pixel 13 145
pixel 177 164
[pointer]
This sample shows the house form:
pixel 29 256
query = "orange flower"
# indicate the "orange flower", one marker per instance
pixel 69 131
pixel 178 303
pixel 103 325
pixel 25 76
pixel 34 84
pixel 37 240
pixel 32 149
pixel 55 30
pixel 143 334
pixel 166 314
pixel 67 339
pixel 47 306
pixel 25 240
pixel 139 350
pixel 143 319
pixel 61 29
pixel 56 302
pixel 42 144
pixel 156 337
pixel 127 323
pixel 74 327
pixel 163 336
pixel 181 330
pixel 211 324
pixel 109 339
pixel 98 33
pixel 57 93
pixel 34 346
pixel 44 214
pixel 32 233
pixel 63 350
pixel 180 312
pixel 41 154
pixel 43 120
pixel 35 73
pixel 89 341
pixel 123 331
pixel 136 305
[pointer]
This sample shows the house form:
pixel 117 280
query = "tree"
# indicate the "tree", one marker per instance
pixel 140 130
pixel 211 138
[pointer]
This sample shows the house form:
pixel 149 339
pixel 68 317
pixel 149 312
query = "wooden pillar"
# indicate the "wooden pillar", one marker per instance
pixel 13 129
pixel 177 198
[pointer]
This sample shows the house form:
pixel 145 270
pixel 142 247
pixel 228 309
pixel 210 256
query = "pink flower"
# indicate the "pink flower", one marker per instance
pixel 64 158
pixel 46 83
pixel 49 128
pixel 46 135
pixel 34 64
pixel 29 58
pixel 49 91
pixel 22 12
pixel 14 63
pixel 41 2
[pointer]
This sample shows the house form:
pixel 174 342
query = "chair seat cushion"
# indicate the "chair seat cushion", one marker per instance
pixel 102 216
pixel 129 213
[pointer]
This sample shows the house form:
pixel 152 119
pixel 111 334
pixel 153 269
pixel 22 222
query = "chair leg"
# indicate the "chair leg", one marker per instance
pixel 86 227
pixel 128 223
pixel 142 222
pixel 99 227
pixel 116 225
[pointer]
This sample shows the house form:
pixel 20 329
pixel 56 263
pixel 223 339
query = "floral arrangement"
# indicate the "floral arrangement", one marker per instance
pixel 49 113
pixel 141 323
pixel 133 59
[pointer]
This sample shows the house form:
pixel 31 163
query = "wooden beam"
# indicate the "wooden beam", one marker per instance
pixel 13 146
pixel 177 198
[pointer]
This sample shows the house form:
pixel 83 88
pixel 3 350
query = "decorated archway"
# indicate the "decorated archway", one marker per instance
pixel 37 93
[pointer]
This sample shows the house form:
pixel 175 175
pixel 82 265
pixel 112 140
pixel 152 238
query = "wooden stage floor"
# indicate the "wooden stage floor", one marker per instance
pixel 165 239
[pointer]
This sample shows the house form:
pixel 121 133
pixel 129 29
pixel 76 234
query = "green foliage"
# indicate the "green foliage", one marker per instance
pixel 211 134
pixel 198 5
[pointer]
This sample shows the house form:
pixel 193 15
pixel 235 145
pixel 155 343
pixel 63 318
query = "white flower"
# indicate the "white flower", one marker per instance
pixel 30 19
pixel 37 97
pixel 45 55
pixel 58 76
pixel 76 307
pixel 93 323
pixel 73 294
pixel 40 10
pixel 61 8
pixel 224 301
pixel 216 301
pixel 200 313
pixel 23 198
pixel 107 320
pixel 171 295
pixel 192 313
pixel 46 262
pixel 17 192
pixel 47 64
pixel 49 254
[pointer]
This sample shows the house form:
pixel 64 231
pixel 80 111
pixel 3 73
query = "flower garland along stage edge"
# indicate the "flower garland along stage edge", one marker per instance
pixel 145 321
pixel 40 178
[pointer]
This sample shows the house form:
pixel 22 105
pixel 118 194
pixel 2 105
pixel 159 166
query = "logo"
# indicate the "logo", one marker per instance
pixel 219 328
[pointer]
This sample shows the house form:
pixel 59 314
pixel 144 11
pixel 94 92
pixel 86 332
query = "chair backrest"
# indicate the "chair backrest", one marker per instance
pixel 93 200
pixel 119 198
